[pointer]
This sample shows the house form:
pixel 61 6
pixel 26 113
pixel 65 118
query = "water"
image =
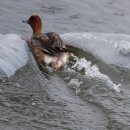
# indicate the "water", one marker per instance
pixel 13 54
pixel 111 48
pixel 91 94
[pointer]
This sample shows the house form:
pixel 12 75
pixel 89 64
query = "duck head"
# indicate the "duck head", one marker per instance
pixel 35 22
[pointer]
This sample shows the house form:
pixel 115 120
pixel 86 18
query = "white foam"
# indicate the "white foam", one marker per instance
pixel 91 72
pixel 74 83
pixel 110 48
pixel 13 53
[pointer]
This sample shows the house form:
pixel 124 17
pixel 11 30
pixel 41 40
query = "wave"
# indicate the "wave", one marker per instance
pixel 13 54
pixel 110 48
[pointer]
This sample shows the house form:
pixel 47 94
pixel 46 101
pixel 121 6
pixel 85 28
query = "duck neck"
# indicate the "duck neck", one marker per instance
pixel 37 27
pixel 37 30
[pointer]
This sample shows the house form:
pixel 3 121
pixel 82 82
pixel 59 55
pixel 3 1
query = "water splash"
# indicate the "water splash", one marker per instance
pixel 90 72
pixel 74 83
pixel 13 54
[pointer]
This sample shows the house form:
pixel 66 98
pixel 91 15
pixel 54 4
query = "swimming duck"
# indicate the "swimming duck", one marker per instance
pixel 47 47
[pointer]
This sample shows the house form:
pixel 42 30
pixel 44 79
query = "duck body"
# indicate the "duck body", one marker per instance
pixel 47 47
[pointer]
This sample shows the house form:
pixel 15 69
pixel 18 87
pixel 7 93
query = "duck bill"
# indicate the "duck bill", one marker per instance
pixel 25 21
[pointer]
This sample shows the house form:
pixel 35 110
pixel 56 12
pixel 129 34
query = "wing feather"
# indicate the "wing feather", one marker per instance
pixel 50 43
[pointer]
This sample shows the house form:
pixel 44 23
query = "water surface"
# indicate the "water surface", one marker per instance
pixel 81 97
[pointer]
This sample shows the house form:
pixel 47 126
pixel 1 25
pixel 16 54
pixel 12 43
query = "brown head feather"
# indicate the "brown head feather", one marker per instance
pixel 36 23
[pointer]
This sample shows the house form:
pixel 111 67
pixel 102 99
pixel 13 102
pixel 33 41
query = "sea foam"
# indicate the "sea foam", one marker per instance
pixel 90 72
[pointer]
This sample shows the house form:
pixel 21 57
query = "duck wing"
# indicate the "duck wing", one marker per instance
pixel 50 39
pixel 40 40
pixel 56 45
pixel 55 51
pixel 55 40
pixel 50 43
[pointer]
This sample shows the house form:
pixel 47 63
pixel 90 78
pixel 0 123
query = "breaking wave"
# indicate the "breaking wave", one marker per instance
pixel 110 48
pixel 13 54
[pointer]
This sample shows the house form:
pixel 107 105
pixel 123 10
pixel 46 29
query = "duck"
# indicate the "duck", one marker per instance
pixel 47 48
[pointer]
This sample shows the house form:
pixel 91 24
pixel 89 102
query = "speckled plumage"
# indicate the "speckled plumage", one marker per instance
pixel 47 47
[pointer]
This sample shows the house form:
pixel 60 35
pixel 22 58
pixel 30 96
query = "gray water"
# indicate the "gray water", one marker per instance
pixel 35 100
